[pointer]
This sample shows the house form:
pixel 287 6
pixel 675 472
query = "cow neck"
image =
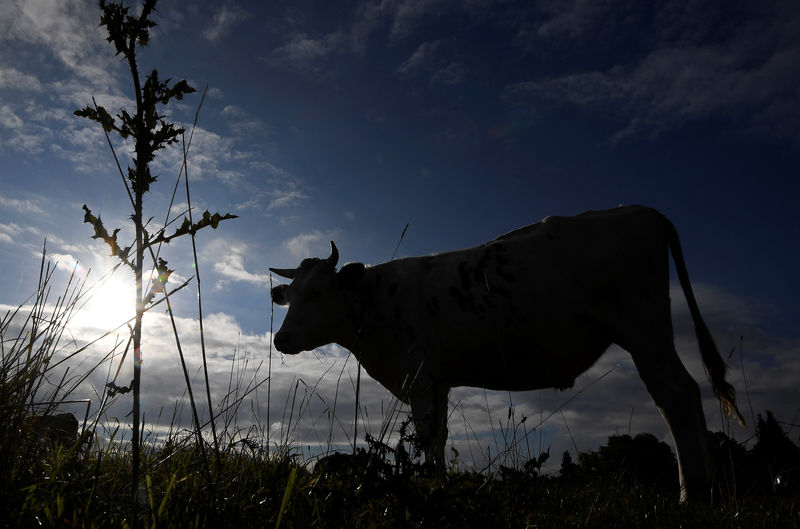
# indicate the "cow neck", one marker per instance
pixel 361 311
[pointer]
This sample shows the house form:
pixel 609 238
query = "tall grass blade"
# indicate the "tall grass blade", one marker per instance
pixel 200 301
pixel 164 501
pixel 269 365
pixel 286 494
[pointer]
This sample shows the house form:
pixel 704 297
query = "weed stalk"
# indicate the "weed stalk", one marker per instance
pixel 150 132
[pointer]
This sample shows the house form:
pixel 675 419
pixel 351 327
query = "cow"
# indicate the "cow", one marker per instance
pixel 530 309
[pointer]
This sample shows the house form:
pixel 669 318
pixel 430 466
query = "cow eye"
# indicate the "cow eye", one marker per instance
pixel 280 295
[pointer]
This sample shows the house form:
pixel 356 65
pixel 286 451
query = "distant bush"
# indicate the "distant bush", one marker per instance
pixel 640 461
pixel 772 466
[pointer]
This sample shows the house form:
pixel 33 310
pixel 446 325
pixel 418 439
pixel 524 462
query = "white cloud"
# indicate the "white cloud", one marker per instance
pixel 308 53
pixel 428 58
pixel 233 112
pixel 21 134
pixel 286 195
pixel 35 111
pixel 406 15
pixel 283 191
pixel 421 57
pixel 303 48
pixel 229 262
pixel 312 244
pixel 211 156
pixel 717 304
pixel 215 93
pixel 8 118
pixel 14 79
pixel 574 20
pixel 34 126
pixel 9 232
pixel 181 209
pixel 224 21
pixel 86 148
pixel 68 28
pixel 22 206
pixel 270 168
pixel 580 89
pixel 78 94
pixel 27 143
pixel 253 202
pixel 451 74
pixel 244 124
pixel 64 261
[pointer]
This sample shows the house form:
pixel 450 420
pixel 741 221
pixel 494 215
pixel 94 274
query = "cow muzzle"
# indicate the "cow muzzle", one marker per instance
pixel 286 344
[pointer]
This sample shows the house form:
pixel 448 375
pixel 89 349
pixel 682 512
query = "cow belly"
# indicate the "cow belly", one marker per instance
pixel 518 365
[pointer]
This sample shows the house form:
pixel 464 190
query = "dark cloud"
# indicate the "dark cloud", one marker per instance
pixel 700 61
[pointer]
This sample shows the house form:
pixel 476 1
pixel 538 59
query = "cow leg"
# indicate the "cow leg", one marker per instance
pixel 677 396
pixel 429 412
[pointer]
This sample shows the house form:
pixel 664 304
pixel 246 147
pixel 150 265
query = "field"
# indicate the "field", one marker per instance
pixel 86 487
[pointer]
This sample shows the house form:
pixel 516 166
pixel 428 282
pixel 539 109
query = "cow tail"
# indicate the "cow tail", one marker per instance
pixel 714 364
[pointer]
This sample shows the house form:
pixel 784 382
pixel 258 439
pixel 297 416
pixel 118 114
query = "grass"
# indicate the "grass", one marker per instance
pixel 354 491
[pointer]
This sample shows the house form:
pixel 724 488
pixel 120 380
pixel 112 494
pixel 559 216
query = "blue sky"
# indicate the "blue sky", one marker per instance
pixel 464 119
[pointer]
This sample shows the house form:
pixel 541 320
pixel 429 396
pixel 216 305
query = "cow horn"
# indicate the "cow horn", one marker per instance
pixel 288 273
pixel 334 257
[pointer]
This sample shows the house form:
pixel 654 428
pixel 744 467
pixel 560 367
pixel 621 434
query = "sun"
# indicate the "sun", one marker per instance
pixel 109 303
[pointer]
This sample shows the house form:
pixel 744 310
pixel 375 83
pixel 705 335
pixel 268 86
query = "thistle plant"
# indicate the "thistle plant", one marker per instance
pixel 150 132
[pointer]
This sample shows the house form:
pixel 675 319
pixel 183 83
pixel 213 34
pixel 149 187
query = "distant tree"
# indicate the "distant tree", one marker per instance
pixel 569 469
pixel 734 471
pixel 772 465
pixel 640 460
pixel 775 452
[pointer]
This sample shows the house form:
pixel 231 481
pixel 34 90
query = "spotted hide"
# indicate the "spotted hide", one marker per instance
pixel 531 309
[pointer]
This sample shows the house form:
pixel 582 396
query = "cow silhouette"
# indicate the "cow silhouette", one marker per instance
pixel 531 309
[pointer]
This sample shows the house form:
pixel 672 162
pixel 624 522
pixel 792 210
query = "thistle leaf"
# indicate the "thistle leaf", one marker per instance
pixel 187 227
pixel 160 282
pixel 100 232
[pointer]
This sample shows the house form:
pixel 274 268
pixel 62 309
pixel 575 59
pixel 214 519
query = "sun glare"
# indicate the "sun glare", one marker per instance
pixel 109 304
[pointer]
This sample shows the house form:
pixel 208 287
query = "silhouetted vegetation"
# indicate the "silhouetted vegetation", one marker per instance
pixel 619 485
pixel 640 461
pixel 151 132
pixel 771 467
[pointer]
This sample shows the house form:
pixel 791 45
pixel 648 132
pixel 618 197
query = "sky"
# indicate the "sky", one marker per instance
pixel 347 121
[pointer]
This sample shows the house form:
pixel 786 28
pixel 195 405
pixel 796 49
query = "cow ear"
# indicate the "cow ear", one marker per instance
pixel 279 295
pixel 350 274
